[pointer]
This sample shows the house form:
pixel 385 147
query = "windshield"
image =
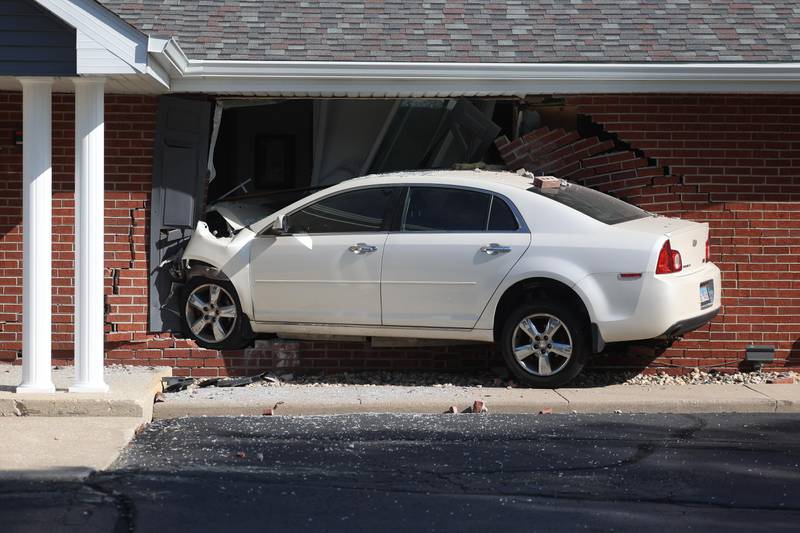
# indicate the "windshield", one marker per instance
pixel 595 204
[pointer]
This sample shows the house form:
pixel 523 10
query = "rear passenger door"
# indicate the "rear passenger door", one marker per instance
pixel 453 249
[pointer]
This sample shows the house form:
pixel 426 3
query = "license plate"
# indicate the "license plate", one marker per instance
pixel 706 293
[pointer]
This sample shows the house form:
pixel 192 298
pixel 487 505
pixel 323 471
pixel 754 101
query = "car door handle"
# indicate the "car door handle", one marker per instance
pixel 363 248
pixel 494 249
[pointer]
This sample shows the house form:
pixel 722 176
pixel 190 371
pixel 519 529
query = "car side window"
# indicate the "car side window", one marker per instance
pixel 501 218
pixel 359 211
pixel 446 209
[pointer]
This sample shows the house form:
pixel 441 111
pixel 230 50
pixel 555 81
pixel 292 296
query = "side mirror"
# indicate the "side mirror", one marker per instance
pixel 279 226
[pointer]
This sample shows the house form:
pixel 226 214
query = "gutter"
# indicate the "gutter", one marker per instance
pixel 393 79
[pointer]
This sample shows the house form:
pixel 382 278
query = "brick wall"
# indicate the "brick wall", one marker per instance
pixel 731 161
pixel 129 142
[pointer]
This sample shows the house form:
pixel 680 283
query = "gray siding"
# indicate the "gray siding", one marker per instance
pixel 33 42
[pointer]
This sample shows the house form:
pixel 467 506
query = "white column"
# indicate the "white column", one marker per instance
pixel 37 224
pixel 89 233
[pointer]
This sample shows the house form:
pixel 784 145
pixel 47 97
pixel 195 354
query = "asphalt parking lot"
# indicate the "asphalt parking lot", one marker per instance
pixel 435 473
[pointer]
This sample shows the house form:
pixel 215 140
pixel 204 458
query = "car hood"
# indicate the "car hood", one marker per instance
pixel 240 214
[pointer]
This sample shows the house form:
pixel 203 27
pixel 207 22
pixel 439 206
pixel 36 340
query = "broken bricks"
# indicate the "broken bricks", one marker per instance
pixel 269 411
pixel 478 406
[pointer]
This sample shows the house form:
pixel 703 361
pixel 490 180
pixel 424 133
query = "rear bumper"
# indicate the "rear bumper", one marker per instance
pixel 690 324
pixel 651 307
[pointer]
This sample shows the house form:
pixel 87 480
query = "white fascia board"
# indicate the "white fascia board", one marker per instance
pixel 497 79
pixel 159 74
pixel 103 27
pixel 167 54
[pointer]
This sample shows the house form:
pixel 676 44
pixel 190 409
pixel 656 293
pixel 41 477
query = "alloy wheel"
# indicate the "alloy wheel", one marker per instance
pixel 211 313
pixel 542 344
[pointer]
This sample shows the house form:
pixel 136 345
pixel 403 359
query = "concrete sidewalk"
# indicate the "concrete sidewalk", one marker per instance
pixel 70 435
pixel 342 399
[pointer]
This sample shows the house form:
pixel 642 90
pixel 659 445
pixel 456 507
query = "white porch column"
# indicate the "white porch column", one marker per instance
pixel 37 229
pixel 89 234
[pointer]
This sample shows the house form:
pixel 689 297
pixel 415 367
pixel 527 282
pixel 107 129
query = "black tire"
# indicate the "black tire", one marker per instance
pixel 573 327
pixel 236 329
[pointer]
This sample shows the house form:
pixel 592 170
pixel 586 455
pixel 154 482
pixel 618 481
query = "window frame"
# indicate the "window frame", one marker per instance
pixel 387 221
pixel 521 226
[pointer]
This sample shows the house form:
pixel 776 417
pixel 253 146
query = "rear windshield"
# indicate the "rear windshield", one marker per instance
pixel 592 203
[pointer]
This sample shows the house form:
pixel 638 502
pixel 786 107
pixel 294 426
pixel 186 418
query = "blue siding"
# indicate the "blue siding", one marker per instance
pixel 33 42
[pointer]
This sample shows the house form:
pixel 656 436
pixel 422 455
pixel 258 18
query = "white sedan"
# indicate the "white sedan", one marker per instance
pixel 549 274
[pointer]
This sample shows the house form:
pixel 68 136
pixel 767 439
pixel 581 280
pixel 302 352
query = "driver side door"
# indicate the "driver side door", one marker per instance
pixel 326 269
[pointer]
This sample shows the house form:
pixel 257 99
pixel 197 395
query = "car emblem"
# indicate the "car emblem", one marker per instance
pixel 694 242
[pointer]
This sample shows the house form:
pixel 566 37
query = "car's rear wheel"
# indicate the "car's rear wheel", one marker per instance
pixel 212 315
pixel 545 344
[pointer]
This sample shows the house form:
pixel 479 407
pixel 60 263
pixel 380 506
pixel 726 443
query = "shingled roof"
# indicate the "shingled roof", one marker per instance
pixel 498 31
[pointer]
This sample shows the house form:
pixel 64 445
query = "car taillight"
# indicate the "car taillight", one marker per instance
pixel 669 260
pixel 708 250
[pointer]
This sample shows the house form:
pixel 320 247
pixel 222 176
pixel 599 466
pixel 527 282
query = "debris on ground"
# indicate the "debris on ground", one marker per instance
pixel 451 409
pixel 176 384
pixel 240 382
pixel 712 377
pixel 546 411
pixel 590 378
pixel 269 411
pixel 159 398
pixel 783 380
pixel 241 455
pixel 478 406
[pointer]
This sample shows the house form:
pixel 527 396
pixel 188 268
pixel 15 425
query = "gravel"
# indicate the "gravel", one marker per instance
pixel 500 378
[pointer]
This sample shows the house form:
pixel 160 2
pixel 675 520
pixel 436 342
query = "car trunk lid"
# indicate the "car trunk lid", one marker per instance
pixel 685 236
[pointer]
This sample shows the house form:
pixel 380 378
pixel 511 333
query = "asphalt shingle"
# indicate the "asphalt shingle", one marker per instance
pixel 510 31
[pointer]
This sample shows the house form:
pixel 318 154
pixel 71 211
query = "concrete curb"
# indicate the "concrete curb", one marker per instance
pixel 328 400
pixel 131 395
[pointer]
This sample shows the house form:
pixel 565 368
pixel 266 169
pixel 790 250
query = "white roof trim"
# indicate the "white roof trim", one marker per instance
pixel 106 29
pixel 497 79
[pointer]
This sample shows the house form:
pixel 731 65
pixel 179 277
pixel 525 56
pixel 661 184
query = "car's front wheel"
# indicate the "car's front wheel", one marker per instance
pixel 212 315
pixel 545 344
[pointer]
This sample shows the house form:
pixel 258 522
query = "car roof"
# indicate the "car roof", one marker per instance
pixel 475 178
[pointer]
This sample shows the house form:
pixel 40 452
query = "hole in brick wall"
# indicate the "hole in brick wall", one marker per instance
pixel 114 281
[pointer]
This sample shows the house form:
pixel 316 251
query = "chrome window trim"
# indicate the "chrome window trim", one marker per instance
pixel 522 225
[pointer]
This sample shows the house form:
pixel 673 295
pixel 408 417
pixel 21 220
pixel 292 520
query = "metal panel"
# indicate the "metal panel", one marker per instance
pixel 33 42
pixel 179 173
pixel 347 134
pixel 467 135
